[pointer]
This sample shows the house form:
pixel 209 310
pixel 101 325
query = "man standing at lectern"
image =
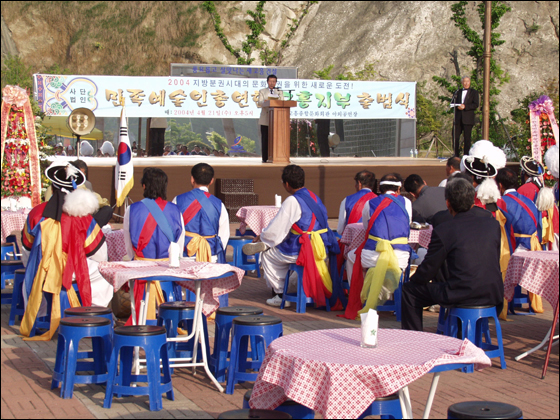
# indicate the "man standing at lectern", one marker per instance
pixel 265 94
pixel 466 101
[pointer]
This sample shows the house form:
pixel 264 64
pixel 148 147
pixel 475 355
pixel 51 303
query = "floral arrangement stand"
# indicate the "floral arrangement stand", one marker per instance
pixel 544 128
pixel 21 172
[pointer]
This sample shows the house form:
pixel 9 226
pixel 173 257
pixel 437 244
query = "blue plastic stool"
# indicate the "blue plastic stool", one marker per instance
pixel 474 325
pixel 388 407
pixel 17 308
pixel 11 239
pixel 8 269
pixel 220 355
pixel 88 311
pixel 70 332
pixel 300 299
pixel 240 260
pixel 154 342
pixel 294 409
pixel 248 232
pixel 483 410
pixel 394 305
pixel 45 322
pixel 253 414
pixel 6 249
pixel 173 315
pixel 520 299
pixel 265 329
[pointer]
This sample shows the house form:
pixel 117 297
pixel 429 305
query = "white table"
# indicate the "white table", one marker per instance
pixel 206 280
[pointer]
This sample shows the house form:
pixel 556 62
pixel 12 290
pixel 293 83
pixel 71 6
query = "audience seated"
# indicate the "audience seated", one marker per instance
pixel 429 200
pixel 351 207
pixel 452 168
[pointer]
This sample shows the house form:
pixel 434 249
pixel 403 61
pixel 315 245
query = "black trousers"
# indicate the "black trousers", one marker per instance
pixel 466 129
pixel 415 297
pixel 264 142
pixel 157 141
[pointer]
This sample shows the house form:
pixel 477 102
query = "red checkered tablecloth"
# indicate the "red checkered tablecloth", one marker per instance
pixel 535 271
pixel 116 248
pixel 354 235
pixel 328 371
pixel 119 273
pixel 256 217
pixel 13 221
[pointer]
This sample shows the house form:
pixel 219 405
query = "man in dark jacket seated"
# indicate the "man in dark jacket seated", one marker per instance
pixel 470 244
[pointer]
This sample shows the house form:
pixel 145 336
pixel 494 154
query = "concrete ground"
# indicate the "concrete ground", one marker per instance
pixel 27 370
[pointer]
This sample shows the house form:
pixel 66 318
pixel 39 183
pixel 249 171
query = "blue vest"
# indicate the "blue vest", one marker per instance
pixel 351 201
pixel 146 241
pixel 391 223
pixel 519 220
pixel 291 245
pixel 201 223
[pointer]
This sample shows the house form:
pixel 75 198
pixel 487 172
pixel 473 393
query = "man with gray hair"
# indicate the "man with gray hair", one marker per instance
pixel 470 244
pixel 466 102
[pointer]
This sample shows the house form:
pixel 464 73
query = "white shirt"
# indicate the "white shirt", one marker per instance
pixel 444 182
pixel 464 94
pixel 128 241
pixel 223 224
pixel 279 227
pixel 342 215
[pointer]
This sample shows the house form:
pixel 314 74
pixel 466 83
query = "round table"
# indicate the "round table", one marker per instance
pixel 355 233
pixel 13 221
pixel 256 217
pixel 537 272
pixel 328 371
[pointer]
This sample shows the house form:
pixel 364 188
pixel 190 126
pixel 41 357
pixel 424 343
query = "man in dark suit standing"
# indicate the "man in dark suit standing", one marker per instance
pixel 466 101
pixel 470 244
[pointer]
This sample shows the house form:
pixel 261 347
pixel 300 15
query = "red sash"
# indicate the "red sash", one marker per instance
pixel 354 300
pixel 356 213
pixel 312 282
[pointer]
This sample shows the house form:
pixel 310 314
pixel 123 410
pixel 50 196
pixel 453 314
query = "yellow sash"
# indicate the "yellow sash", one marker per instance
pixel 548 227
pixel 536 301
pixel 48 279
pixel 505 255
pixel 319 254
pixel 387 263
pixel 156 294
pixel 199 245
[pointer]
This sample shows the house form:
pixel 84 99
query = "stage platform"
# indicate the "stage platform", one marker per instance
pixel 331 178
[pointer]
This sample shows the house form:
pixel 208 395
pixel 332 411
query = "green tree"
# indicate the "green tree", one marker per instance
pixel 248 144
pixel 217 141
pixel 178 133
pixel 497 75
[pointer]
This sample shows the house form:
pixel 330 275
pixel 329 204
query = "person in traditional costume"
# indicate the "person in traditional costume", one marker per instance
pixel 551 158
pixel 63 243
pixel 385 249
pixel 205 218
pixel 298 234
pixel 472 260
pixel 151 227
pixel 351 207
pixel 524 220
pixel 532 187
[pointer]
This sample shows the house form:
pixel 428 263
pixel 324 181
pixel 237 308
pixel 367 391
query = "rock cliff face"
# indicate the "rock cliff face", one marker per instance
pixel 405 40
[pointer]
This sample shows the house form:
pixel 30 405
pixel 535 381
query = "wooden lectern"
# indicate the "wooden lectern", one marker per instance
pixel 279 130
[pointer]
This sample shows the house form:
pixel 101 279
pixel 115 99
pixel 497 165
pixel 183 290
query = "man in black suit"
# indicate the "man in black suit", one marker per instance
pixel 466 101
pixel 429 200
pixel 470 244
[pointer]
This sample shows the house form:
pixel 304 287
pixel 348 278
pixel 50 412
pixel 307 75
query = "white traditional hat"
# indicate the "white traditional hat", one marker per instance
pixel 107 147
pixel 86 149
pixel 484 149
pixel 551 160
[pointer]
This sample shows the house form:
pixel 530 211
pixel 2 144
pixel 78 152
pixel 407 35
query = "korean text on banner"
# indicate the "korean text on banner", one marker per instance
pixel 124 170
pixel 199 97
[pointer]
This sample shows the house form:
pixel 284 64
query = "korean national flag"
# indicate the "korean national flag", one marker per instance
pixel 124 171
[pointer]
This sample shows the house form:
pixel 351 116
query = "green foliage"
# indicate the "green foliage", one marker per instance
pixel 181 133
pixel 248 144
pixel 428 115
pixel 324 74
pixel 15 72
pixel 217 141
pixel 96 10
pixel 497 75
pixel 533 28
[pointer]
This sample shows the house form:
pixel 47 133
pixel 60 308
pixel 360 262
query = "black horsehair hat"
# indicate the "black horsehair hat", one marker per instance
pixel 63 173
pixel 531 166
pixel 478 167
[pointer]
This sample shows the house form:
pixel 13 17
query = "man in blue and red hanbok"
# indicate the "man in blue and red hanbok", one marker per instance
pixel 205 218
pixel 351 207
pixel 63 242
pixel 523 220
pixel 385 249
pixel 151 226
pixel 298 234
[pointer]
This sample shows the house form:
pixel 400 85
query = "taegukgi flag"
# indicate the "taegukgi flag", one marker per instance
pixel 124 171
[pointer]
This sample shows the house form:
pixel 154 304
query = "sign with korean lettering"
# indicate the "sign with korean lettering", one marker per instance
pixel 198 97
